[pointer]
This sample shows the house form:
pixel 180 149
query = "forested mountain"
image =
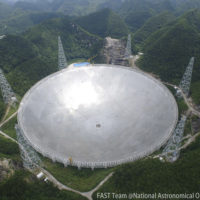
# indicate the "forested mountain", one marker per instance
pixel 134 12
pixel 167 51
pixel 5 10
pixel 152 25
pixel 76 7
pixel 104 23
pixel 33 55
pixel 150 176
pixel 68 7
pixel 112 4
pixel 137 12
pixel 43 5
pixel 182 5
pixel 21 22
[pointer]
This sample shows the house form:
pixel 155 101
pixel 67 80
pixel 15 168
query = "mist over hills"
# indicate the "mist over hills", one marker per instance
pixel 167 51
pixel 17 17
pixel 124 7
pixel 104 23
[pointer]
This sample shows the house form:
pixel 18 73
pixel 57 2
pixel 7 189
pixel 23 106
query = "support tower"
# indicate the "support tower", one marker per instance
pixel 7 92
pixel 128 51
pixel 187 77
pixel 62 61
pixel 172 150
pixel 28 154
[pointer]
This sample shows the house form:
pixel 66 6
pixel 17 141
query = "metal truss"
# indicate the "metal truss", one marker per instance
pixel 62 61
pixel 9 96
pixel 187 77
pixel 128 51
pixel 172 150
pixel 28 154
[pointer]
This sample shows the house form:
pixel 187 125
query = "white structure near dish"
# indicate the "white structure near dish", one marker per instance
pixel 2 36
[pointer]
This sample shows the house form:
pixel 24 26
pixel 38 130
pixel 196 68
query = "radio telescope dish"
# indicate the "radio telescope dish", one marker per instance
pixel 97 116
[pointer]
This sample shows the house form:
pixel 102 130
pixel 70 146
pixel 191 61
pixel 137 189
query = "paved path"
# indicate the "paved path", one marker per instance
pixel 61 186
pixel 6 113
pixel 190 109
pixel 7 120
pixel 190 140
pixel 190 106
pixel 48 175
pixel 8 137
pixel 133 59
pixel 90 193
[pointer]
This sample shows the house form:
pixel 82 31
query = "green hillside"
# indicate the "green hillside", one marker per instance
pixel 114 5
pixel 26 5
pixel 104 23
pixel 5 10
pixel 152 25
pixel 137 12
pixel 2 106
pixel 167 51
pixel 78 7
pixel 77 42
pixel 28 58
pixel 23 186
pixel 22 21
pixel 182 5
pixel 151 176
pixel 68 7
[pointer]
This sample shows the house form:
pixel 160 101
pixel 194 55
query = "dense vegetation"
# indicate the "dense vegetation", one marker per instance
pixel 152 25
pixel 20 62
pixel 23 186
pixel 104 23
pixel 167 51
pixel 2 107
pixel 152 176
pixel 8 148
pixel 83 180
pixel 4 10
pixel 9 128
pixel 76 7
pixel 20 22
pixel 28 58
pixel 137 12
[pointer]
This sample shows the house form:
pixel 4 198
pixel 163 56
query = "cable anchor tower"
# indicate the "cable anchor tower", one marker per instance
pixel 28 154
pixel 172 150
pixel 62 61
pixel 9 96
pixel 128 51
pixel 187 77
